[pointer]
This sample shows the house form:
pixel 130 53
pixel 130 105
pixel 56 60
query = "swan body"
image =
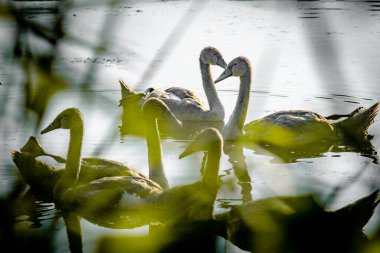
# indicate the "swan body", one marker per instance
pixel 297 127
pixel 290 128
pixel 40 176
pixel 129 201
pixel 92 168
pixel 298 224
pixel 183 103
pixel 43 177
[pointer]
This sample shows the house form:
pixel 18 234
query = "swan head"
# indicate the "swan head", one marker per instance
pixel 148 91
pixel 237 67
pixel 70 118
pixel 211 55
pixel 209 139
pixel 154 108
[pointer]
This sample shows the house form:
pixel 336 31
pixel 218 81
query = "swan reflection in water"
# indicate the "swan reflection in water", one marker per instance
pixel 296 224
pixel 234 151
pixel 321 149
pixel 277 224
pixel 187 131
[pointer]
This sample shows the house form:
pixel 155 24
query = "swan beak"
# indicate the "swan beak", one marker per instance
pixel 221 63
pixel 54 125
pixel 191 149
pixel 226 73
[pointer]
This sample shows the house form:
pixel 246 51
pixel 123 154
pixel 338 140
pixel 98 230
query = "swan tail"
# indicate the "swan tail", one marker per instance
pixel 15 155
pixel 20 159
pixel 126 91
pixel 358 122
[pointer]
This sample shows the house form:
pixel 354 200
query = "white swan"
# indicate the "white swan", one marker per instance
pixel 129 201
pixel 184 103
pixel 290 128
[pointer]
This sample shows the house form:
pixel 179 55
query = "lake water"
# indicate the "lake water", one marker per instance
pixel 322 56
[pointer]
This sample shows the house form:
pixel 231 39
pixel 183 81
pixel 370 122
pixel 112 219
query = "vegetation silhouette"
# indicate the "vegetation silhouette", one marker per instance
pixel 40 80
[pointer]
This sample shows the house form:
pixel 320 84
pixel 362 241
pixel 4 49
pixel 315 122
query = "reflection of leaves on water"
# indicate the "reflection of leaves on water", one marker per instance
pixel 41 87
pixel 15 236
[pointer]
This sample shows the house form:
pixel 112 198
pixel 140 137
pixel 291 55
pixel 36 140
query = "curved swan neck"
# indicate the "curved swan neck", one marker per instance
pixel 156 167
pixel 209 88
pixel 237 119
pixel 73 161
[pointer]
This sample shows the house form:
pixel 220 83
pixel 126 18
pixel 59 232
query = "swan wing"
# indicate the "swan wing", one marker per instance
pixel 156 93
pixel 96 168
pixel 40 176
pixel 290 128
pixel 176 95
pixel 182 93
pixel 113 202
pixel 293 118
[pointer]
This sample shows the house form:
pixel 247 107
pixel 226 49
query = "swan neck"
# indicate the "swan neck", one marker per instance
pixel 156 167
pixel 239 113
pixel 209 88
pixel 74 154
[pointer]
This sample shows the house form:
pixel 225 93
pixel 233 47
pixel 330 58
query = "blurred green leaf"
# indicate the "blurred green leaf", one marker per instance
pixel 44 84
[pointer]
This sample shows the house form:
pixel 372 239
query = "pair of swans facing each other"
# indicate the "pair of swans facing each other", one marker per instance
pixel 293 128
pixel 184 103
pixel 286 130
